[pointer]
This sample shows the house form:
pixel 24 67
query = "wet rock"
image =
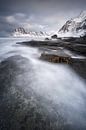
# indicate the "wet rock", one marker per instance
pixel 46 39
pixel 55 58
pixel 54 36
pixel 77 48
pixel 79 66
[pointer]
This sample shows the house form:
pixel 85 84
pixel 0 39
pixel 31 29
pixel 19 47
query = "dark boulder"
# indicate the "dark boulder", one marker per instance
pixel 47 39
pixel 54 36
pixel 55 58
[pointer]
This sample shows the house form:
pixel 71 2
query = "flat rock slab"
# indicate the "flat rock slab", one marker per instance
pixel 55 58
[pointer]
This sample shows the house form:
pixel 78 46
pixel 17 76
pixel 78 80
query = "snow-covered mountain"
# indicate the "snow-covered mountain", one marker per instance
pixel 75 27
pixel 21 32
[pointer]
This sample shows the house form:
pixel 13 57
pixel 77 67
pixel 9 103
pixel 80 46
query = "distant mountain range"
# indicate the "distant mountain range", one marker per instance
pixel 75 27
pixel 21 32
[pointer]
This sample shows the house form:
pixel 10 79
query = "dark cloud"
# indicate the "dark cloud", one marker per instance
pixel 49 14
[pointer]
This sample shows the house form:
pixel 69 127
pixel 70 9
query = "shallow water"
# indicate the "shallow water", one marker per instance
pixel 36 94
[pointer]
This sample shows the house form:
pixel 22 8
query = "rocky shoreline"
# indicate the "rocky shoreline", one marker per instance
pixel 64 52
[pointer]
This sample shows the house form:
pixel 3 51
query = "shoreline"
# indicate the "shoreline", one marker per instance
pixel 59 51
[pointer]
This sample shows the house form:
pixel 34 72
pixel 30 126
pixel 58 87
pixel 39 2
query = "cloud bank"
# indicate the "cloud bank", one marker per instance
pixel 44 15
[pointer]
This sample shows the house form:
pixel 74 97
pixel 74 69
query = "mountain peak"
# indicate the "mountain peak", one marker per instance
pixel 75 27
pixel 83 14
pixel 22 32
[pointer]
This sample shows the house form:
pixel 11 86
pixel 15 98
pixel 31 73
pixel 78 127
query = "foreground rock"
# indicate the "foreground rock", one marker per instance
pixel 55 58
pixel 21 108
pixel 79 66
pixel 54 36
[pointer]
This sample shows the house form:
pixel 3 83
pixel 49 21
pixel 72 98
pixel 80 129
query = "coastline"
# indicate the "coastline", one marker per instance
pixel 62 52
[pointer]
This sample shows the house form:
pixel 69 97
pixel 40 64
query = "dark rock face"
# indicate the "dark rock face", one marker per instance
pixel 46 39
pixel 77 48
pixel 79 66
pixel 55 58
pixel 69 39
pixel 54 36
pixel 82 26
pixel 65 27
pixel 20 30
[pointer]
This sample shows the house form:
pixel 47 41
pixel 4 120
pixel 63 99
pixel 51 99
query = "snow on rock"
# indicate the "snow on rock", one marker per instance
pixel 21 32
pixel 75 27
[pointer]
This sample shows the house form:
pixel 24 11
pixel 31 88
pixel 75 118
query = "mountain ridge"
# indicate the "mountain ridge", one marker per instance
pixel 22 32
pixel 75 27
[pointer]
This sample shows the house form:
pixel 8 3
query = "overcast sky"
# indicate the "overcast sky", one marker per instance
pixel 47 15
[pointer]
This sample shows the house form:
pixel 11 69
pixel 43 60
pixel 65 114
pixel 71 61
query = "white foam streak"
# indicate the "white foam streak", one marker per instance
pixel 57 84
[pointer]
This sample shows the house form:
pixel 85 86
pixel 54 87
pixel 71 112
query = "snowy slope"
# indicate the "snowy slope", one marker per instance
pixel 75 27
pixel 21 32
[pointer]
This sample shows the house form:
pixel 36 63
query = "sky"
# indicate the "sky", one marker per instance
pixel 38 15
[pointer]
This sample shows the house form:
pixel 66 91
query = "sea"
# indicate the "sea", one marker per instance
pixel 37 95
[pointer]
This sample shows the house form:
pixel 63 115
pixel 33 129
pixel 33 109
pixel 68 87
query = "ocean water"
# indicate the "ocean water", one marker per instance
pixel 36 95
